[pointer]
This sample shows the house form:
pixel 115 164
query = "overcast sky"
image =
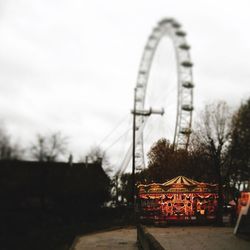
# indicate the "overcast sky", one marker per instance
pixel 71 66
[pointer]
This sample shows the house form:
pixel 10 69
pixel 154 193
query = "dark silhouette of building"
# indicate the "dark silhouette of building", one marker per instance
pixel 52 185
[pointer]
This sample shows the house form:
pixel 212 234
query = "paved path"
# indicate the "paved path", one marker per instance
pixel 198 238
pixel 115 239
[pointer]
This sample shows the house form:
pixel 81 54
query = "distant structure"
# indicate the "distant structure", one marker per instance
pixel 171 28
pixel 41 184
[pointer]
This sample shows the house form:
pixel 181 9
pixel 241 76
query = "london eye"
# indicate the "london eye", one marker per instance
pixel 184 85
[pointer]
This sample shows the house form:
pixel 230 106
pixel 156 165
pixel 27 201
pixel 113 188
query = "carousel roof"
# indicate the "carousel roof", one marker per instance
pixel 181 180
pixel 178 184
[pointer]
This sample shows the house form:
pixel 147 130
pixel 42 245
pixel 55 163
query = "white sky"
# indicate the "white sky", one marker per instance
pixel 71 66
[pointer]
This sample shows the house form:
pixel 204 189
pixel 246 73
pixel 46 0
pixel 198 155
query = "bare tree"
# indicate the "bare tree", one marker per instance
pixel 49 148
pixel 5 148
pixel 212 134
pixel 8 150
pixel 96 154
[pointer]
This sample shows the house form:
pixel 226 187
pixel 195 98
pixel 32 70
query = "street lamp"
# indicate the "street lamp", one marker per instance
pixel 139 113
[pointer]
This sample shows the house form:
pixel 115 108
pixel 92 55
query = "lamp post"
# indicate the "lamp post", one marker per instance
pixel 138 113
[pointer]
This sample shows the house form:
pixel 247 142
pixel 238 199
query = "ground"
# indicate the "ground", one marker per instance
pixel 171 238
pixel 124 238
pixel 198 237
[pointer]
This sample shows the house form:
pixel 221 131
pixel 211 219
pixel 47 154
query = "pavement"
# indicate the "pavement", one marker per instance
pixel 198 238
pixel 124 239
pixel 171 238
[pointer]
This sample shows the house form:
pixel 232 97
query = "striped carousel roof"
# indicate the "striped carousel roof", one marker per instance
pixel 181 180
pixel 179 184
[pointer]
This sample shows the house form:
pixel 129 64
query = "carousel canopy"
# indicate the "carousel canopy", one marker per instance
pixel 179 184
pixel 180 180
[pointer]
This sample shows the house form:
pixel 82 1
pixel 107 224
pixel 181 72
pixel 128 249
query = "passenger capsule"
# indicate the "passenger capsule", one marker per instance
pixel 187 107
pixel 142 72
pixel 188 85
pixel 184 46
pixel 187 64
pixel 185 131
pixel 152 37
pixel 156 29
pixel 137 155
pixel 180 33
pixel 176 25
pixel 165 21
pixel 148 47
pixel 139 85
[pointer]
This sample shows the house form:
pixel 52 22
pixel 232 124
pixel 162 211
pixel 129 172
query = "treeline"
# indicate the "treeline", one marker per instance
pixel 46 147
pixel 219 151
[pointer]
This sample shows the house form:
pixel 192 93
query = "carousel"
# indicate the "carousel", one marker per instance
pixel 179 199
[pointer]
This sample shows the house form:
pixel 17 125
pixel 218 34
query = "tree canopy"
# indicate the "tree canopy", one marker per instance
pixel 239 150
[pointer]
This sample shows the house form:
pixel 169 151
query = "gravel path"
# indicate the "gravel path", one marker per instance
pixel 124 238
pixel 198 238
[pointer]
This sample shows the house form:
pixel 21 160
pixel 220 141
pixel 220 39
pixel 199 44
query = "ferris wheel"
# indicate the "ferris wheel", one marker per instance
pixel 184 85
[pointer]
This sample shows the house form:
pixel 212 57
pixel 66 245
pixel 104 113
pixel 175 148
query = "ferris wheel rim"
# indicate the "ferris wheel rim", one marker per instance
pixel 183 122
